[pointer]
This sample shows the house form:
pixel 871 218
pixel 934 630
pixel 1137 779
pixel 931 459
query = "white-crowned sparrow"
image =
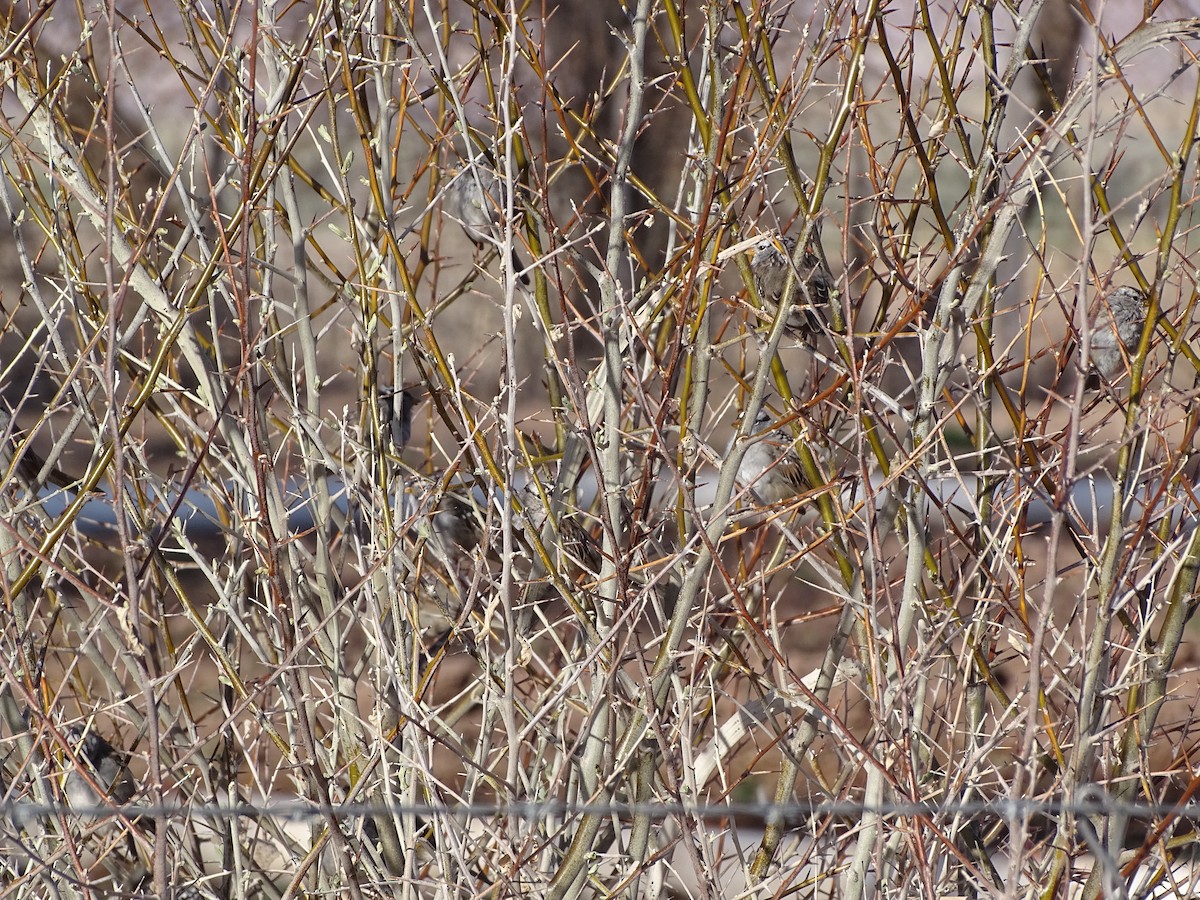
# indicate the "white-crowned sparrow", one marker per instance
pixel 771 469
pixel 814 284
pixel 1117 329
pixel 475 199
pixel 105 766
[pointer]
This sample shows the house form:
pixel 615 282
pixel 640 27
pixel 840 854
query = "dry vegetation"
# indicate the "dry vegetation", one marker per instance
pixel 545 644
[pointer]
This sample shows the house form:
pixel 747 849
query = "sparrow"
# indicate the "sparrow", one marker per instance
pixel 475 200
pixel 454 527
pixel 395 415
pixel 445 578
pixel 814 284
pixel 105 766
pixel 1117 329
pixel 578 553
pixel 31 465
pixel 771 469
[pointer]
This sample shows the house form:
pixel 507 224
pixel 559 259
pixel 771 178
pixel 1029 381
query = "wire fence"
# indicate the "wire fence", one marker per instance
pixel 1095 802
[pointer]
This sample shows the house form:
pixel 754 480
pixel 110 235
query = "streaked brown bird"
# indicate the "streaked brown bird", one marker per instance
pixel 771 469
pixel 814 284
pixel 454 527
pixel 578 553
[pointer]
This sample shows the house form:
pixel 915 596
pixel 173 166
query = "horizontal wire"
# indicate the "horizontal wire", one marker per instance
pixel 1094 804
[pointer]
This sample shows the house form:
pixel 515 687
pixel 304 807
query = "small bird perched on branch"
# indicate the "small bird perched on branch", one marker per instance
pixel 100 765
pixel 771 469
pixel 814 284
pixel 104 765
pixel 1117 329
pixel 31 467
pixel 454 531
pixel 395 415
pixel 475 199
pixel 455 527
pixel 578 552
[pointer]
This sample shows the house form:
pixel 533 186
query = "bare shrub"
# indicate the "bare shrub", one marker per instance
pixel 417 406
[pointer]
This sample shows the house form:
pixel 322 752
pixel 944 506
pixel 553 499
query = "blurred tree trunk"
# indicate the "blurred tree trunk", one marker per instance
pixel 1057 36
pixel 583 35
